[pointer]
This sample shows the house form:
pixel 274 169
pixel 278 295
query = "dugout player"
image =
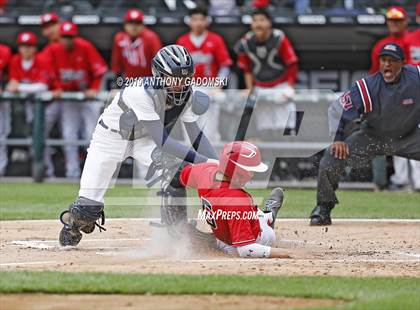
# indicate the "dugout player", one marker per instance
pixel 78 67
pixel 28 70
pixel 412 41
pixel 228 207
pixel 139 118
pixel 50 29
pixel 403 167
pixel 5 122
pixel 211 59
pixel 269 61
pixel 134 48
pixel 388 103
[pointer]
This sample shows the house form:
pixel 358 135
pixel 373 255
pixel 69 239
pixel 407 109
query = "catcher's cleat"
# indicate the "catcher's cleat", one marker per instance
pixel 69 236
pixel 321 216
pixel 81 216
pixel 274 202
pixel 88 229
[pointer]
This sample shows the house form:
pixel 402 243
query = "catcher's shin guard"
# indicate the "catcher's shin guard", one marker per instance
pixel 81 216
pixel 173 209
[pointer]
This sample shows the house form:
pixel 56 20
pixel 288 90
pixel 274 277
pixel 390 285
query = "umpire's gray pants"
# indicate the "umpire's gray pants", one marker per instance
pixel 363 147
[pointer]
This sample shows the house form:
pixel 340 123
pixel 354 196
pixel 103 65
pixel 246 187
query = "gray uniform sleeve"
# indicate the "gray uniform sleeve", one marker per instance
pixel 169 145
pixel 199 141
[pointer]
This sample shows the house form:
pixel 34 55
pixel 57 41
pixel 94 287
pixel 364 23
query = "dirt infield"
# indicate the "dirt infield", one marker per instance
pixel 357 248
pixel 157 302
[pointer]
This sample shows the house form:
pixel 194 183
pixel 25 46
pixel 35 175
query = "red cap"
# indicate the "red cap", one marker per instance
pixel 133 15
pixel 396 12
pixel 418 8
pixel 68 29
pixel 238 160
pixel 259 4
pixel 49 18
pixel 27 38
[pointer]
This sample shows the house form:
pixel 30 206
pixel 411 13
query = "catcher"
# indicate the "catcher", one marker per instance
pixel 239 226
pixel 139 119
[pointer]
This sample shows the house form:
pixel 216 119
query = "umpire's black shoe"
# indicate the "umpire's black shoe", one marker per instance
pixel 274 202
pixel 321 216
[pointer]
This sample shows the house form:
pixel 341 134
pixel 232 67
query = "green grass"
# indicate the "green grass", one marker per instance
pixel 359 293
pixel 46 201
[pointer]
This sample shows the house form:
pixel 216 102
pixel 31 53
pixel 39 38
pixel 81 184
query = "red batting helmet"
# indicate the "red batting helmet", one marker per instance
pixel 238 160
pixel 27 38
pixel 133 15
pixel 68 29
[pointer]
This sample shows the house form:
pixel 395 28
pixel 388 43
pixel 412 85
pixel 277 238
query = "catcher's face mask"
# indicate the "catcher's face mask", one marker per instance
pixel 177 89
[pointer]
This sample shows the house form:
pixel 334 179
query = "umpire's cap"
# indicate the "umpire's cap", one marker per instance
pixel 393 50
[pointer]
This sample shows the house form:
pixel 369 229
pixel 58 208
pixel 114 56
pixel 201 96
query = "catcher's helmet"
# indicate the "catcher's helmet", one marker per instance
pixel 174 64
pixel 238 160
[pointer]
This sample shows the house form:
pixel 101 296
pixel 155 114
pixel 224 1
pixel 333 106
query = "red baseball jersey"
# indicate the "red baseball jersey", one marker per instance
pixel 235 228
pixel 374 56
pixel 133 58
pixel 412 43
pixel 210 56
pixel 78 69
pixel 5 56
pixel 46 54
pixel 38 72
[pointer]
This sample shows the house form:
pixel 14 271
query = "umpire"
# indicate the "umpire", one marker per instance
pixel 388 105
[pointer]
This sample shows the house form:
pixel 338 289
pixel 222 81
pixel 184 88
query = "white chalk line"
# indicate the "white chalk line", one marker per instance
pixel 242 260
pixel 417 255
pixel 44 244
pixel 245 260
pixel 28 263
pixel 84 240
pixel 41 244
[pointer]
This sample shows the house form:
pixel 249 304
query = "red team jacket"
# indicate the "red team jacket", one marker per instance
pixel 5 55
pixel 209 57
pixel 79 69
pixel 412 42
pixel 134 58
pixel 45 55
pixel 374 56
pixel 39 72
pixel 217 196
